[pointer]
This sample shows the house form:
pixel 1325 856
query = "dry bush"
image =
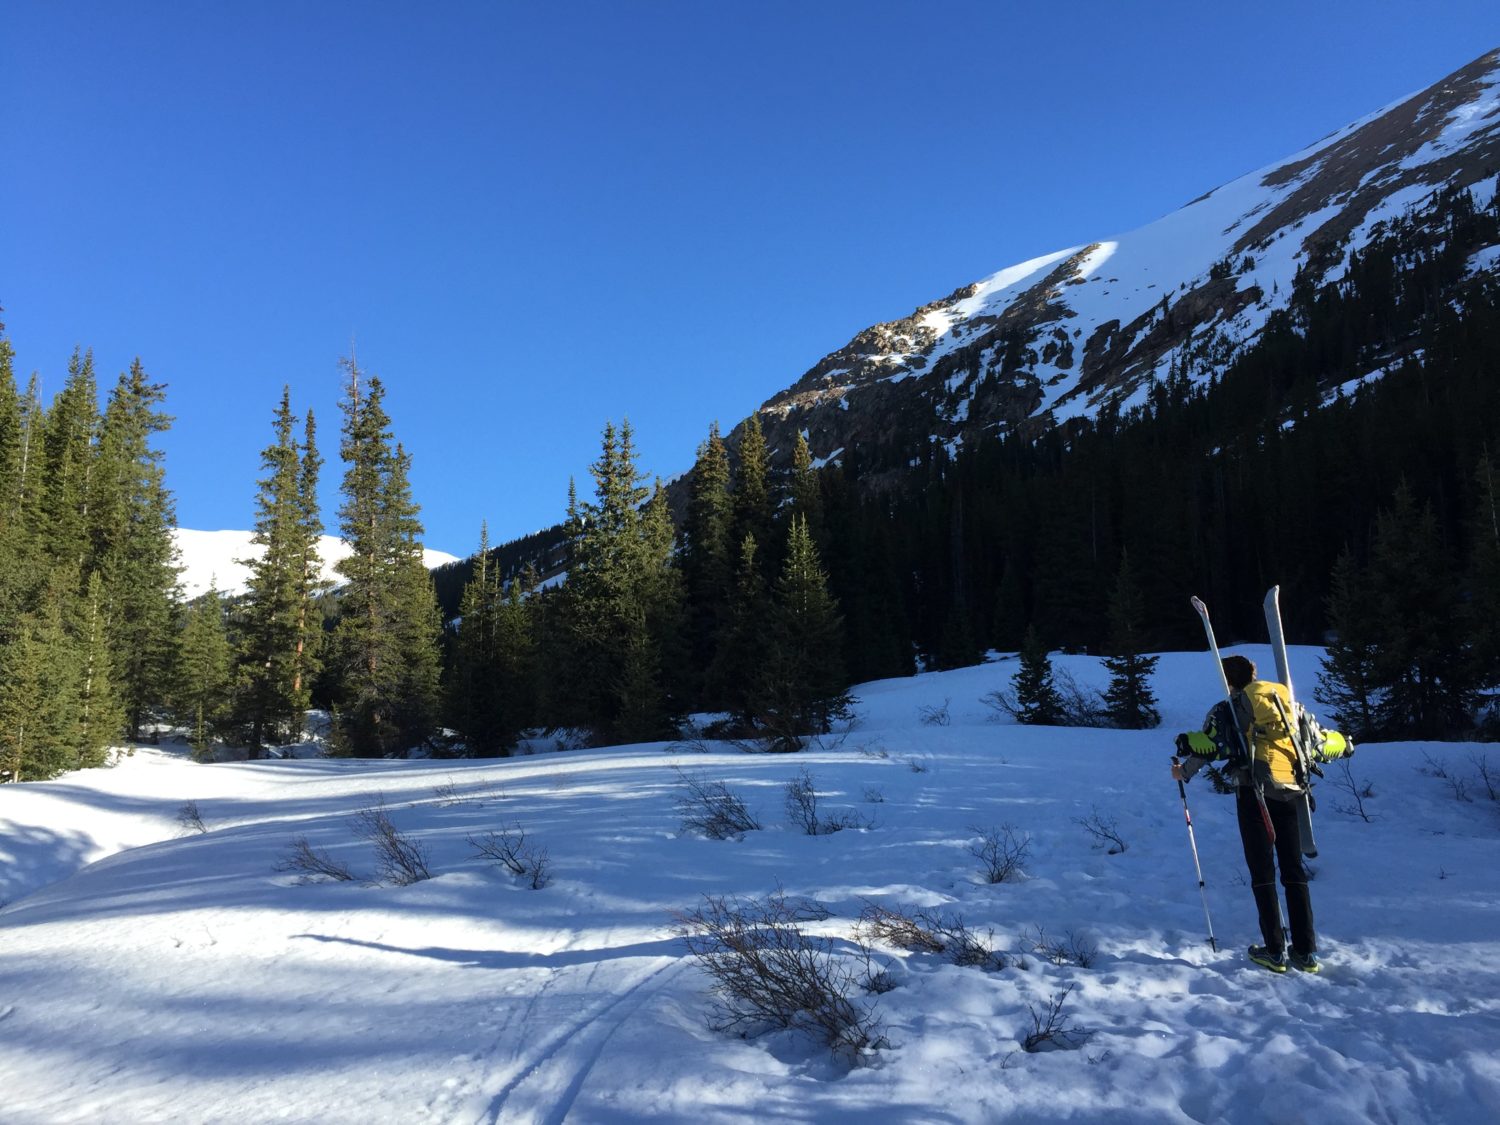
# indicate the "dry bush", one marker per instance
pixel 1072 949
pixel 934 715
pixel 1104 831
pixel 924 931
pixel 1359 792
pixel 767 973
pixel 802 810
pixel 1049 1029
pixel 400 860
pixel 309 864
pixel 509 849
pixel 1002 851
pixel 190 819
pixel 711 808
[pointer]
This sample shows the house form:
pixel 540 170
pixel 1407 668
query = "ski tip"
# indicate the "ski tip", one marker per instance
pixel 1197 603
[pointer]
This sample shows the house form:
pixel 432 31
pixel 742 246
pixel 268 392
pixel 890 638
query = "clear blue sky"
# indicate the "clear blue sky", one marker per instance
pixel 531 218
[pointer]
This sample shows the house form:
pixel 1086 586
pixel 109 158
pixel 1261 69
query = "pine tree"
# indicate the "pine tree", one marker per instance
pixel 307 661
pixel 1037 700
pixel 389 622
pixel 1421 665
pixel 1347 683
pixel 753 510
pixel 477 690
pixel 269 704
pixel 131 519
pixel 59 506
pixel 1483 610
pixel 1129 698
pixel 101 714
pixel 744 646
pixel 204 674
pixel 39 703
pixel 806 492
pixel 618 607
pixel 804 689
pixel 707 566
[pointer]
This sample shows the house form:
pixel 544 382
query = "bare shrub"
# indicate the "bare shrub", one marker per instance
pixel 399 859
pixel 1078 706
pixel 1050 1030
pixel 1488 777
pixel 874 795
pixel 1432 767
pixel 1001 851
pixel 934 715
pixel 767 973
pixel 1460 788
pixel 190 819
pixel 509 849
pixel 309 864
pixel 923 931
pixel 1104 831
pixel 897 928
pixel 916 765
pixel 710 807
pixel 1070 950
pixel 1359 792
pixel 802 809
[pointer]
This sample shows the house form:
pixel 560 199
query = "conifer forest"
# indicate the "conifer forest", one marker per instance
pixel 757 596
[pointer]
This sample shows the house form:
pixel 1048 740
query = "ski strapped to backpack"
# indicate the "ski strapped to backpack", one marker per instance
pixel 1241 751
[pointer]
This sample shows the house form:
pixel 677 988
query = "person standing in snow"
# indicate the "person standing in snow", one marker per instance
pixel 1270 785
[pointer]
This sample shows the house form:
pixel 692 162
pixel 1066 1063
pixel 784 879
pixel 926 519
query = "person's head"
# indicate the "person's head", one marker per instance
pixel 1239 671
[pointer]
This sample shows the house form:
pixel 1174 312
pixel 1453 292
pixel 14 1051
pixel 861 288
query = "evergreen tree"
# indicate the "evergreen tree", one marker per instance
pixel 39 703
pixel 742 655
pixel 1037 700
pixel 204 674
pixel 707 565
pixel 803 687
pixel 1483 611
pixel 60 504
pixel 131 518
pixel 308 659
pixel 1347 683
pixel 753 509
pixel 101 709
pixel 1129 698
pixel 477 688
pixel 270 704
pixel 388 628
pixel 1421 663
pixel 807 493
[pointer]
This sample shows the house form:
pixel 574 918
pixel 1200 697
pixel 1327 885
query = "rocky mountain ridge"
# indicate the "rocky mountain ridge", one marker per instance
pixel 1067 334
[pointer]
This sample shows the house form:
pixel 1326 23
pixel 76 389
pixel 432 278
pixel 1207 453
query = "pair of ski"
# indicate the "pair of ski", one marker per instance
pixel 1272 607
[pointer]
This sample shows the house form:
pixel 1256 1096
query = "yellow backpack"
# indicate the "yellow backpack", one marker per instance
pixel 1268 705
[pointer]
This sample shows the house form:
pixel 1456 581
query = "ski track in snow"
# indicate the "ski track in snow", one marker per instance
pixel 150 975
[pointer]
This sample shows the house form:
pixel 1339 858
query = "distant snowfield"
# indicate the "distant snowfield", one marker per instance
pixel 153 974
pixel 213 558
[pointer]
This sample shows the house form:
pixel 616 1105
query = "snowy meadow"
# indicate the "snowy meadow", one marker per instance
pixel 167 957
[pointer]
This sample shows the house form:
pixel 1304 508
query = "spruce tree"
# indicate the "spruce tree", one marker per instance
pixel 477 689
pixel 204 674
pixel 1129 698
pixel 1483 610
pixel 269 704
pixel 101 709
pixel 60 504
pixel 131 518
pixel 1347 685
pixel 308 659
pixel 804 690
pixel 1038 702
pixel 806 491
pixel 741 658
pixel 707 563
pixel 389 624
pixel 1421 663
pixel 753 509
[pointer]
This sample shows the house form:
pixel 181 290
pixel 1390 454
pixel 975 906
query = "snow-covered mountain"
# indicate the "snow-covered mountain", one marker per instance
pixel 216 558
pixel 1061 335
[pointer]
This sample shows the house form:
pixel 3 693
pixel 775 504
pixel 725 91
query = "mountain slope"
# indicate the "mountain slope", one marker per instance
pixel 1063 335
pixel 214 558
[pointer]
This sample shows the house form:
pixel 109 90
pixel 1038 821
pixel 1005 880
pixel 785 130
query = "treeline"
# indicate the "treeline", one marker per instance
pixel 87 573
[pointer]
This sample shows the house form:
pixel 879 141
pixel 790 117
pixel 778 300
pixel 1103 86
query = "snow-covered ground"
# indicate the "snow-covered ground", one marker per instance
pixel 218 558
pixel 155 973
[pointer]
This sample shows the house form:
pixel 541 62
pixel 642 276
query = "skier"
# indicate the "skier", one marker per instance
pixel 1255 732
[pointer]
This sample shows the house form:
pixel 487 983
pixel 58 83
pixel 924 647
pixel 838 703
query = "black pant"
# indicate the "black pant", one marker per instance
pixel 1262 859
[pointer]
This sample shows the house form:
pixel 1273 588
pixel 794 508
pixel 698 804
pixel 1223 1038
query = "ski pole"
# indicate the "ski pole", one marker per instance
pixel 1198 867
